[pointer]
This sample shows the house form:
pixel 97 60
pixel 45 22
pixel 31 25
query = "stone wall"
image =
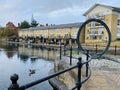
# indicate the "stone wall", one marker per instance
pixel 68 78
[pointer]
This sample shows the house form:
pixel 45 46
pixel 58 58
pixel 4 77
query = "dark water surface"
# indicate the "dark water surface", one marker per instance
pixel 20 59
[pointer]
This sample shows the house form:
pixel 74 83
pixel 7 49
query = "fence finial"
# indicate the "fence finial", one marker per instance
pixel 14 85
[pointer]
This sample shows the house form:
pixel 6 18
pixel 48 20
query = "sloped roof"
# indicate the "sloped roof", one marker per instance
pixel 70 25
pixel 110 7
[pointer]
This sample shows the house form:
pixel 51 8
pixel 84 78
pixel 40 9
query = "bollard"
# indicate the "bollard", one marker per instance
pixel 79 73
pixel 14 85
pixel 87 64
pixel 71 55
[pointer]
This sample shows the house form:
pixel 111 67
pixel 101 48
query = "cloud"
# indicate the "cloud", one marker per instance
pixel 47 11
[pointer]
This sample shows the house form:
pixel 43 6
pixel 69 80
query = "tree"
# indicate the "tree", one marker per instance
pixel 1 32
pixel 8 32
pixel 34 23
pixel 24 24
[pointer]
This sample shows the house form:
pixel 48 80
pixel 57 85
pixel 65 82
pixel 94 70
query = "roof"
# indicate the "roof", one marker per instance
pixel 110 7
pixel 70 25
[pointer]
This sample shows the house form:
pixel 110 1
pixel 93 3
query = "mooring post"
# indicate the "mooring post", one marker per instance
pixel 87 64
pixel 14 85
pixel 79 73
pixel 71 55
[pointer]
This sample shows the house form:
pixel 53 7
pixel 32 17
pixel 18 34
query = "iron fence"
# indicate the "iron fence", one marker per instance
pixel 15 86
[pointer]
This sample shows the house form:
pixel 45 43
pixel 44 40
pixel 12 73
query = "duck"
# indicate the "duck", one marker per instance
pixel 32 71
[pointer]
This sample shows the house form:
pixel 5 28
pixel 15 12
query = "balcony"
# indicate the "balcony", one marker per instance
pixel 96 34
pixel 97 26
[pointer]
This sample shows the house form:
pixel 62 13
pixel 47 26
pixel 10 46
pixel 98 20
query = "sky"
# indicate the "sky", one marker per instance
pixel 47 11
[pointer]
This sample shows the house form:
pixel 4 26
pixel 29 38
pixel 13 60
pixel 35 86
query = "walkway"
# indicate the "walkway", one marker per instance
pixel 105 74
pixel 103 80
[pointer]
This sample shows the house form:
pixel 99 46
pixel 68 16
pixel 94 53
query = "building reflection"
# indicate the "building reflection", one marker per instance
pixel 9 49
pixel 24 58
pixel 32 52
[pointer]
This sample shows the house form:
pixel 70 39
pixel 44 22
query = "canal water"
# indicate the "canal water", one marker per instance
pixel 20 59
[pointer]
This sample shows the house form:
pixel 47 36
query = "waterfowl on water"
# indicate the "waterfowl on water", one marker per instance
pixel 32 71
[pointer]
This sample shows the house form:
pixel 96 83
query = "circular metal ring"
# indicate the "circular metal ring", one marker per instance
pixel 97 55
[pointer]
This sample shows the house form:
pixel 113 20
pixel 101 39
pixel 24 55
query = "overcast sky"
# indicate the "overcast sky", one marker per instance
pixel 48 11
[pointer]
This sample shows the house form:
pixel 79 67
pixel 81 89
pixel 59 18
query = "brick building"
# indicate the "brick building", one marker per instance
pixel 13 27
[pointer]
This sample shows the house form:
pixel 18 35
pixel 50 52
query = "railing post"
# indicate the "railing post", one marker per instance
pixel 79 73
pixel 71 55
pixel 115 50
pixel 96 48
pixel 64 50
pixel 78 51
pixel 87 64
pixel 14 85
pixel 60 52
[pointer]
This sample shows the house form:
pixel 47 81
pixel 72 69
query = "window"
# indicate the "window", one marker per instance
pixel 92 32
pixel 118 33
pixel 92 24
pixel 119 30
pixel 66 36
pixel 118 16
pixel 101 15
pixel 118 22
pixel 100 31
pixel 100 37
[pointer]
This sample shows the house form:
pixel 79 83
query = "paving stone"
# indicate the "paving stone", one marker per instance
pixel 105 74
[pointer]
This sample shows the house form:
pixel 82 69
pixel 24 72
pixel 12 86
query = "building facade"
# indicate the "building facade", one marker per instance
pixel 63 33
pixel 108 14
pixel 67 33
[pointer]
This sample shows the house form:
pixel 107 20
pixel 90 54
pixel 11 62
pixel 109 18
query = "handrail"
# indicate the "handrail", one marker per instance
pixel 14 78
pixel 82 82
pixel 45 78
pixel 79 65
pixel 87 76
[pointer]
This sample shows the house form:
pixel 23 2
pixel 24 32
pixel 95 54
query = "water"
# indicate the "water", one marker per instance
pixel 19 59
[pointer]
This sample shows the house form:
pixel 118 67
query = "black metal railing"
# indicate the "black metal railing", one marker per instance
pixel 79 82
pixel 113 50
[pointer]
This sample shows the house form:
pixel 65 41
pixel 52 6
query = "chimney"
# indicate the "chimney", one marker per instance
pixel 46 24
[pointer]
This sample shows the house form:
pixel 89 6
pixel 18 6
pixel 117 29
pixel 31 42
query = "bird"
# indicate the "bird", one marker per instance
pixel 31 71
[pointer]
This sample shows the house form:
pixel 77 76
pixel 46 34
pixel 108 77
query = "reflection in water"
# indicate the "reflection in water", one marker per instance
pixel 20 59
pixel 33 60
pixel 10 49
pixel 24 58
pixel 28 51
pixel 36 52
